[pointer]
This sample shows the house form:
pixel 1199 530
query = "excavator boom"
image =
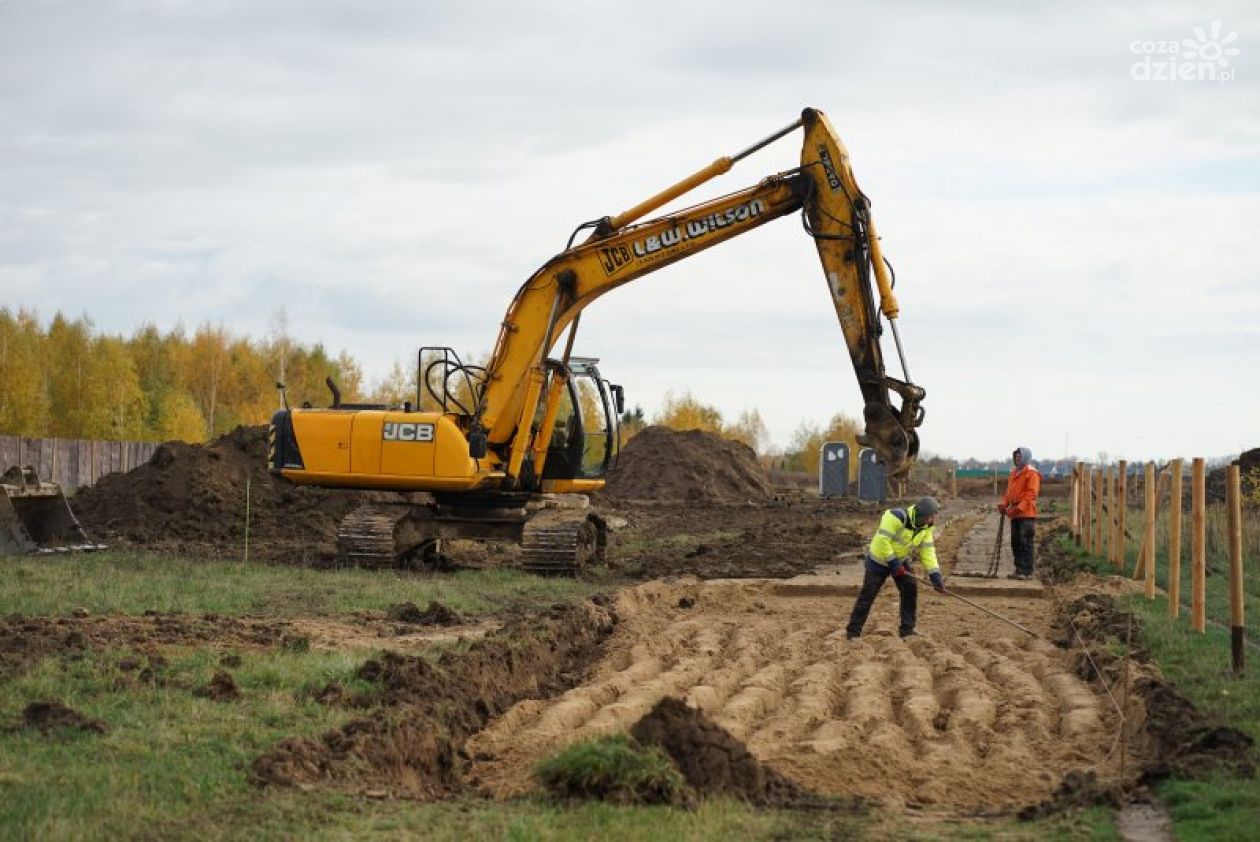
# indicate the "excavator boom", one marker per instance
pixel 836 215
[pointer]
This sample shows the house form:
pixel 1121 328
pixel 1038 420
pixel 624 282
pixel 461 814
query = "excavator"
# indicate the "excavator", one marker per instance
pixel 509 450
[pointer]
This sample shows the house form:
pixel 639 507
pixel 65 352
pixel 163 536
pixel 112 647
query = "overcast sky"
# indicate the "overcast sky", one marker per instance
pixel 1076 249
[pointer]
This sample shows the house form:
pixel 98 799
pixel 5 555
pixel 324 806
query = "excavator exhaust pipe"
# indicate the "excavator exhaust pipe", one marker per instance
pixel 35 517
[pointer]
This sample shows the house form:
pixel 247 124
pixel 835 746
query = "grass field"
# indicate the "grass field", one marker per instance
pixel 175 765
pixel 131 583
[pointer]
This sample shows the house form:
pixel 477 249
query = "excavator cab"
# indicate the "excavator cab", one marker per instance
pixel 587 434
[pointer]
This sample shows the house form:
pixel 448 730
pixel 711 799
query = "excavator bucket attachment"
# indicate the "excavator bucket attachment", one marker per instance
pixel 36 518
pixel 895 445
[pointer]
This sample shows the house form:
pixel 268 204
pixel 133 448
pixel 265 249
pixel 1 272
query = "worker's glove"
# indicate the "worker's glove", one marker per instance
pixel 899 568
pixel 1002 508
pixel 938 581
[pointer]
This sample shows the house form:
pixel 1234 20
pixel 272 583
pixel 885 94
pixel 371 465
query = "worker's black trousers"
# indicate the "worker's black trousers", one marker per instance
pixel 871 583
pixel 1022 531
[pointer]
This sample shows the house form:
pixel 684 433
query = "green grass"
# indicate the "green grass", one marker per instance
pixel 613 768
pixel 1217 556
pixel 131 583
pixel 168 753
pixel 1199 665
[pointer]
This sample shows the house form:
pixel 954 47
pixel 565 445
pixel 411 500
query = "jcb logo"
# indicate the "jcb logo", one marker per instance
pixel 407 432
pixel 614 258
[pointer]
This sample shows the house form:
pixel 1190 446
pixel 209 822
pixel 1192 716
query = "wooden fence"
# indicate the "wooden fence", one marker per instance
pixel 1098 515
pixel 73 463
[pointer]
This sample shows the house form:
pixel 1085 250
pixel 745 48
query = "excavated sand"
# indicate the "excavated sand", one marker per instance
pixel 971 715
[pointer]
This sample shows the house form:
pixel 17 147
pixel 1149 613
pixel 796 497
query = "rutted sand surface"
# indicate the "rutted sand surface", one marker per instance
pixel 971 715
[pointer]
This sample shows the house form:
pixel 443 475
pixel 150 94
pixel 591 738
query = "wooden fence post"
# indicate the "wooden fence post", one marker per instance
pixel 1113 521
pixel 1087 508
pixel 1149 541
pixel 1123 511
pixel 1174 540
pixel 1098 510
pixel 1079 500
pixel 1198 545
pixel 953 482
pixel 1233 504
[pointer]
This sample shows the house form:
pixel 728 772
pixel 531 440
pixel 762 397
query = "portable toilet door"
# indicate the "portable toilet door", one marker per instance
pixel 872 476
pixel 833 470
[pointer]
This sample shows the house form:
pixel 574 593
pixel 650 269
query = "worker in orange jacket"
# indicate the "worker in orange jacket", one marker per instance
pixel 1020 505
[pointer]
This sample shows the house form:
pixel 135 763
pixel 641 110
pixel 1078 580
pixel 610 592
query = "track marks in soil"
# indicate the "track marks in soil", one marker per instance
pixel 966 716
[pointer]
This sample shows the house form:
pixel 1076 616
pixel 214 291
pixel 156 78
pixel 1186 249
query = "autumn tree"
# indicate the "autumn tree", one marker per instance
pixel 750 429
pixel 807 442
pixel 684 412
pixel 24 404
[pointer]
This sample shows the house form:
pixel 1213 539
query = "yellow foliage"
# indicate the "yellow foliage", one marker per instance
pixel 808 440
pixel 70 381
pixel 686 413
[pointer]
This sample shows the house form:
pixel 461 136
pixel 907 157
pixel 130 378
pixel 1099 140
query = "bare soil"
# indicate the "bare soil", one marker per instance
pixel 26 640
pixel 971 715
pixel 46 716
pixel 664 464
pixel 422 712
pixel 191 499
pixel 710 759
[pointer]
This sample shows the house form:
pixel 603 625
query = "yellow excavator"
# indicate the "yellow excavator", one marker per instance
pixel 508 450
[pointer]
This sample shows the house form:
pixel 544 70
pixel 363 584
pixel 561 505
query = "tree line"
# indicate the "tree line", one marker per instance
pixel 66 379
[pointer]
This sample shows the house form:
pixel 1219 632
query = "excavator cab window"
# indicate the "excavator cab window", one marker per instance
pixel 585 439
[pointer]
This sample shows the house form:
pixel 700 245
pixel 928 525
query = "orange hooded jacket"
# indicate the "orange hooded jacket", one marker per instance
pixel 1022 489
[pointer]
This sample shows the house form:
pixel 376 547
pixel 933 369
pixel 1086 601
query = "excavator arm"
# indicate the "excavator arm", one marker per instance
pixel 621 249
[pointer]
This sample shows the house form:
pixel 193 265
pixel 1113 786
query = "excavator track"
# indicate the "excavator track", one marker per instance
pixel 562 545
pixel 367 536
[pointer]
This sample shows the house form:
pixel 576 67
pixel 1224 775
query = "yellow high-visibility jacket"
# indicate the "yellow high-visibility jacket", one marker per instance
pixel 895 539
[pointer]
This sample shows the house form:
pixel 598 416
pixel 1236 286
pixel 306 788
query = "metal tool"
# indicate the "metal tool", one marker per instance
pixel 988 611
pixel 997 548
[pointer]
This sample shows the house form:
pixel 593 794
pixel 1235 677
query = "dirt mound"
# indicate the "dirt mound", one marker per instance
pixel 1249 466
pixel 710 759
pixel 1176 738
pixel 222 688
pixel 46 716
pixel 422 712
pixel 436 614
pixel 191 498
pixel 661 463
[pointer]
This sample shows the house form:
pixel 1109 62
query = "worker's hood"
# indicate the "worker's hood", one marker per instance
pixel 1025 456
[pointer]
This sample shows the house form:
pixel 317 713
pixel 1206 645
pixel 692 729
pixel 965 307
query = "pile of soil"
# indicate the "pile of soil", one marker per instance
pixel 46 716
pixel 222 688
pixel 710 759
pixel 664 464
pixel 436 614
pixel 1249 466
pixel 422 712
pixel 191 499
pixel 1176 737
